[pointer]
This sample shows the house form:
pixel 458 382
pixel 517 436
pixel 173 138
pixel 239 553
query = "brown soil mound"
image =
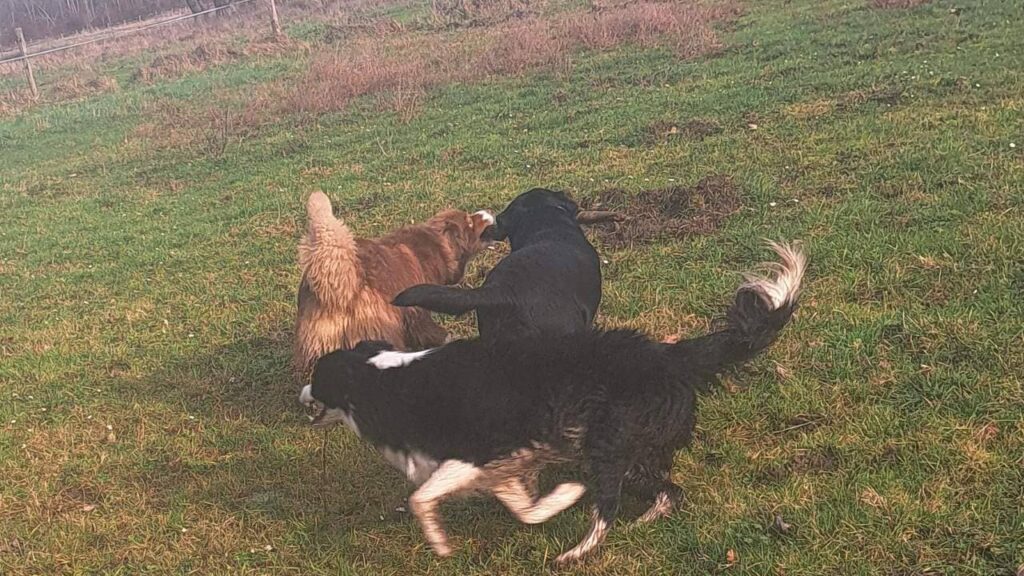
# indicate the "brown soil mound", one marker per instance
pixel 674 212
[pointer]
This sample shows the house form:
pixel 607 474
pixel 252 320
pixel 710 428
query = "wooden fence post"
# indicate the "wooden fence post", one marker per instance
pixel 28 65
pixel 274 24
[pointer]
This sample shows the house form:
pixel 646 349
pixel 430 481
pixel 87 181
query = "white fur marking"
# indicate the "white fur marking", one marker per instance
pixel 661 508
pixel 395 359
pixel 515 496
pixel 416 466
pixel 451 477
pixel 780 284
pixel 306 396
pixel 596 535
pixel 485 216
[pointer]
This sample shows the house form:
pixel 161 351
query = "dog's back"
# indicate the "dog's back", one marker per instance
pixel 348 283
pixel 550 283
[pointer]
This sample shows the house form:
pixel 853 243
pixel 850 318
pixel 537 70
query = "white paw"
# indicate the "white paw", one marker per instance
pixel 563 496
pixel 567 558
pixel 442 549
pixel 568 492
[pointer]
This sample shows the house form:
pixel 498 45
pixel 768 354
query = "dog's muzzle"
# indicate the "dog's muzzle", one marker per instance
pixel 317 410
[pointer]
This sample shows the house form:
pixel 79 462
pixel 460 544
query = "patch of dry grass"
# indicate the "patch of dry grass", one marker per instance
pixel 209 130
pixel 398 70
pixel 404 68
pixel 190 44
pixel 898 3
pixel 452 13
pixel 169 66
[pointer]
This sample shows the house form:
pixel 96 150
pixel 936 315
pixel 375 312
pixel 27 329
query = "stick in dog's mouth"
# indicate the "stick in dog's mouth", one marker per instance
pixel 598 216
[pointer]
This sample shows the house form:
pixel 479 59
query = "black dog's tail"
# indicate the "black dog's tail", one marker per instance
pixel 761 309
pixel 449 300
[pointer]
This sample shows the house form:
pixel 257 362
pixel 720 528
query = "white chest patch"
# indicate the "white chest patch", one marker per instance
pixel 393 359
pixel 306 396
pixel 416 466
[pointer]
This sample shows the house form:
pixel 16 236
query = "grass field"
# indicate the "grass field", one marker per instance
pixel 149 423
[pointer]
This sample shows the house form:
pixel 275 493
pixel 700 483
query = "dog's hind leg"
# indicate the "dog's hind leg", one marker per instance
pixel 452 477
pixel 664 503
pixel 420 330
pixel 655 482
pixel 519 497
pixel 595 536
pixel 608 493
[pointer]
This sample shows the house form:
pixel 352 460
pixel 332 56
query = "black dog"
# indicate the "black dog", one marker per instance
pixel 479 416
pixel 549 284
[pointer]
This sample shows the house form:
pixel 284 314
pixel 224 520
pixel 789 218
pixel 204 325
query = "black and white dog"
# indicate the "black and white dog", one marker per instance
pixel 550 283
pixel 477 416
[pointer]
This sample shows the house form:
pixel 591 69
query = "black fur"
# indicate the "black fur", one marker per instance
pixel 549 284
pixel 613 400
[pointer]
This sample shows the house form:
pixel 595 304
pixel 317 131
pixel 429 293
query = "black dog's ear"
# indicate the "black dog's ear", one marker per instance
pixel 567 204
pixel 494 233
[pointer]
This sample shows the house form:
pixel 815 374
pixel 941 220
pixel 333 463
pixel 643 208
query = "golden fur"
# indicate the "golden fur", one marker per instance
pixel 348 283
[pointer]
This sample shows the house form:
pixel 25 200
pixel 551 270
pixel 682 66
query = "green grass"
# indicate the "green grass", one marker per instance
pixel 151 289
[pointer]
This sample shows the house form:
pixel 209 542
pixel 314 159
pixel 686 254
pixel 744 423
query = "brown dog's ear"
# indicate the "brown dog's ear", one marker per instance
pixel 453 229
pixel 457 232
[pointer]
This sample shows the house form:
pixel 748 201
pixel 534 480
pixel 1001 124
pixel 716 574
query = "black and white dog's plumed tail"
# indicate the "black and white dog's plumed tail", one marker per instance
pixel 762 307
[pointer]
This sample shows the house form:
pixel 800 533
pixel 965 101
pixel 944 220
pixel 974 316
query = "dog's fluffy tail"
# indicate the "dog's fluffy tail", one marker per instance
pixel 327 255
pixel 760 310
pixel 449 300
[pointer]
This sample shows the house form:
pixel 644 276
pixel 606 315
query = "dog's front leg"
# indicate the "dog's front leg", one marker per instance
pixel 451 477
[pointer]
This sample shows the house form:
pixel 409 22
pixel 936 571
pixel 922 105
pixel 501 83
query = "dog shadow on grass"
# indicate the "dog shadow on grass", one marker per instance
pixel 224 427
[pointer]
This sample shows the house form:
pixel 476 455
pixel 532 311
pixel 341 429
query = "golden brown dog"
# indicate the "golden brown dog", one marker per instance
pixel 348 283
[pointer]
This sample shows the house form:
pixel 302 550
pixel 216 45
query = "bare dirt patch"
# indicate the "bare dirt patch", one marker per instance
pixel 674 212
pixel 695 129
pixel 811 461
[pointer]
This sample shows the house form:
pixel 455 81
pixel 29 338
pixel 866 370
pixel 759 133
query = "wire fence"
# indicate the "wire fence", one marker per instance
pixel 25 56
